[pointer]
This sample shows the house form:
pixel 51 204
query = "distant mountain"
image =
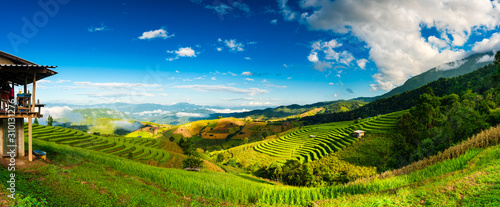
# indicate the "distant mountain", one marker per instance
pixel 448 70
pixel 478 81
pixel 294 109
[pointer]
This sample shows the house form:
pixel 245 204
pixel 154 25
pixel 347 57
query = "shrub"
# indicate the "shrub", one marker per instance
pixel 192 162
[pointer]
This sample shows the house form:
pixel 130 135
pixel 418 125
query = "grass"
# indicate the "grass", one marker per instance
pixel 145 150
pixel 314 142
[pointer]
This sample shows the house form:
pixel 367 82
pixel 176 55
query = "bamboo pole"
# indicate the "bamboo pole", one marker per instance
pixel 30 137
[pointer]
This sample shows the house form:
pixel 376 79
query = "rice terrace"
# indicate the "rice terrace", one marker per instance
pixel 250 103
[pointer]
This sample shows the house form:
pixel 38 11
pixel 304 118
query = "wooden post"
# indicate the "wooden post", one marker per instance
pixel 30 137
pixel 25 83
pixel 33 94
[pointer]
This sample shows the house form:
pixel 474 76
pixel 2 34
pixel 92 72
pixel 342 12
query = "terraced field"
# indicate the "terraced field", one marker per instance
pixel 139 149
pixel 313 142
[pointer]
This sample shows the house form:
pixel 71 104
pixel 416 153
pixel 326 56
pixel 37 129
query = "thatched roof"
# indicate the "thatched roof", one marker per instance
pixel 19 71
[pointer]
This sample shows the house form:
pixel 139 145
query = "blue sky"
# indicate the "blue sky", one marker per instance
pixel 240 53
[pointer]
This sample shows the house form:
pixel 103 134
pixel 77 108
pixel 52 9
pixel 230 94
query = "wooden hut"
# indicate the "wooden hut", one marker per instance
pixel 21 73
pixel 359 133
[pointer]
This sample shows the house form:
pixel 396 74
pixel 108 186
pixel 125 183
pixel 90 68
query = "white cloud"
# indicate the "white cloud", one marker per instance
pixel 117 94
pixel 361 63
pixel 289 78
pixel 485 58
pixel 224 89
pixel 284 65
pixel 330 83
pixel 182 52
pixel 247 73
pixel 228 111
pixel 213 78
pixel 56 111
pixel 233 74
pixel 265 81
pixel 116 86
pixel 98 29
pixel 219 49
pixel 242 6
pixel 185 114
pixel 153 34
pixel 488 44
pixel 256 103
pixel 221 9
pixel 392 31
pixel 451 65
pixel 185 52
pixel 288 14
pixel 248 58
pixel 154 112
pixel 249 79
pixel 275 86
pixel 234 46
pixel 329 55
pixel 274 21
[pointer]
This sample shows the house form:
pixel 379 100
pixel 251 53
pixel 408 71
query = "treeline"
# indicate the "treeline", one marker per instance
pixel 478 81
pixel 437 123
pixel 285 111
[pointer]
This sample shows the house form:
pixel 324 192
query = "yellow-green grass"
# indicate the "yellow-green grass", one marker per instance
pixel 239 190
pixel 314 142
pixel 140 149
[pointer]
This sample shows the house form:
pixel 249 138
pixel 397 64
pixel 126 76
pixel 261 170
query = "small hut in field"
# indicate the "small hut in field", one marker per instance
pixel 18 72
pixel 359 133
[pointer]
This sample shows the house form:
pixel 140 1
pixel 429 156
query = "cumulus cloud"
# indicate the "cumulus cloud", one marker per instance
pixel 274 21
pixel 247 73
pixel 324 56
pixel 488 44
pixel 234 46
pixel 153 34
pixel 224 89
pixel 485 58
pixel 392 31
pixel 249 79
pixel 361 63
pixel 182 52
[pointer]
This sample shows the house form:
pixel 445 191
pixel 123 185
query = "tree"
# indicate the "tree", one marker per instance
pixel 245 140
pixel 50 120
pixel 171 139
pixel 497 58
pixel 36 121
pixel 192 162
pixel 264 135
pixel 220 117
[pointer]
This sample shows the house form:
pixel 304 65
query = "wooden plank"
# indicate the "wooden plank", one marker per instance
pixel 30 137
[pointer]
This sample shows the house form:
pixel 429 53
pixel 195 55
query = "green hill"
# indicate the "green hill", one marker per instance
pixel 479 81
pixel 466 174
pixel 448 70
